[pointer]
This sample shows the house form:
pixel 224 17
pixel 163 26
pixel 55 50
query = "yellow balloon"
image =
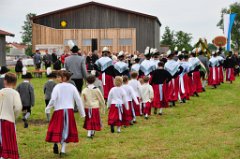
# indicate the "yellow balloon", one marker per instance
pixel 63 23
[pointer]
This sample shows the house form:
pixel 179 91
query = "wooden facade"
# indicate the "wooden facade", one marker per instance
pixel 47 35
pixel 3 35
pixel 94 16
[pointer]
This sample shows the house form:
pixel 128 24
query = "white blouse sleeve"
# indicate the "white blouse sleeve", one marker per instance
pixel 134 96
pixel 109 101
pixel 125 101
pixel 79 102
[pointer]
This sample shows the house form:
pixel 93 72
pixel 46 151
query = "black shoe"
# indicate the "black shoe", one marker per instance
pixel 155 110
pixel 204 90
pixel 184 100
pixel 134 121
pixel 173 103
pixel 112 129
pixel 131 122
pixel 196 94
pixel 90 137
pixel 146 117
pixel 160 114
pixel 25 124
pixel 55 149
pixel 93 133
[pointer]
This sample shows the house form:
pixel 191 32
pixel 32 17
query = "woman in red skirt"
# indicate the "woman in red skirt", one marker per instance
pixel 229 66
pixel 116 101
pixel 159 80
pixel 213 73
pixel 62 127
pixel 105 66
pixel 129 116
pixel 10 107
pixel 92 100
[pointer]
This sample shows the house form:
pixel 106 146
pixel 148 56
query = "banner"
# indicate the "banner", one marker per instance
pixel 228 20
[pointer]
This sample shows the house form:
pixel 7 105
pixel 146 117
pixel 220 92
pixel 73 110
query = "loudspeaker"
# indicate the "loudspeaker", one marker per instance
pixel 94 45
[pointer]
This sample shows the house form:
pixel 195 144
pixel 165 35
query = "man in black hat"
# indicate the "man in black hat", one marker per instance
pixel 77 66
pixel 3 71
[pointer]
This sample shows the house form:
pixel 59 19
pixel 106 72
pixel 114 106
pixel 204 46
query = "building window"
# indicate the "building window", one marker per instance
pixel 106 42
pixel 125 42
pixel 87 42
pixel 70 41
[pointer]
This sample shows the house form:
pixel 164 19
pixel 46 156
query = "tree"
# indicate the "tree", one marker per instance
pixel 179 39
pixel 27 33
pixel 235 36
pixel 168 37
pixel 183 40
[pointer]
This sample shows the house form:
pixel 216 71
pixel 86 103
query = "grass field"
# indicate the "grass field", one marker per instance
pixel 207 127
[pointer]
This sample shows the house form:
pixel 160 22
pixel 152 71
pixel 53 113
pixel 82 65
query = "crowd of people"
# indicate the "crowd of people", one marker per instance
pixel 130 86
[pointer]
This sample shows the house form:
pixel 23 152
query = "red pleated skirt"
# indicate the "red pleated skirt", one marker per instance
pixel 127 114
pixel 221 74
pixel 137 108
pixel 185 94
pixel 197 81
pixel 230 74
pixel 8 147
pixel 192 86
pixel 113 116
pixel 56 125
pixel 108 84
pixel 211 80
pixel 93 120
pixel 147 108
pixel 157 103
pixel 173 89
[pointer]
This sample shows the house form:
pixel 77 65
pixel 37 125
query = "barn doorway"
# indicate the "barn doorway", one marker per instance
pixel 94 44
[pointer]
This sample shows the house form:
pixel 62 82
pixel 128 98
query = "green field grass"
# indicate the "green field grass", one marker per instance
pixel 207 127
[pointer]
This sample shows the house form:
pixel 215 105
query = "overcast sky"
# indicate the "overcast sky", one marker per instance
pixel 198 17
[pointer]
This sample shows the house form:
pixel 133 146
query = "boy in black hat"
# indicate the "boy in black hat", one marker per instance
pixel 26 92
pixel 3 71
pixel 48 88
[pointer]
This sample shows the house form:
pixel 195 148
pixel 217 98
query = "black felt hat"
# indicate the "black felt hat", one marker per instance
pixel 75 49
pixel 28 75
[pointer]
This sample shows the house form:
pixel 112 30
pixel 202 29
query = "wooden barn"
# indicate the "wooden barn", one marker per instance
pixel 94 25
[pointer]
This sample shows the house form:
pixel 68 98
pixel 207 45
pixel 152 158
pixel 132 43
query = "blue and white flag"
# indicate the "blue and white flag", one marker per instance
pixel 228 21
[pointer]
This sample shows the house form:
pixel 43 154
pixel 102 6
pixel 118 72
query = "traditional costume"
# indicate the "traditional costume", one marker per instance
pixel 116 101
pixel 229 66
pixel 213 71
pixel 120 67
pixel 129 115
pixel 146 96
pixel 92 100
pixel 220 69
pixel 105 66
pixel 10 108
pixel 136 67
pixel 135 84
pixel 62 127
pixel 147 66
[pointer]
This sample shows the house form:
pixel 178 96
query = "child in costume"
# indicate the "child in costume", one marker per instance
pixel 48 88
pixel 146 97
pixel 92 99
pixel 62 127
pixel 26 92
pixel 116 101
pixel 129 116
pixel 10 107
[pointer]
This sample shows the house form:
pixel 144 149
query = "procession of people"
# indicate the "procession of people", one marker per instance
pixel 128 87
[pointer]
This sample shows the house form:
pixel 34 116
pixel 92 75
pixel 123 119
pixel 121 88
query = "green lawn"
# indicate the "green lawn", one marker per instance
pixel 205 127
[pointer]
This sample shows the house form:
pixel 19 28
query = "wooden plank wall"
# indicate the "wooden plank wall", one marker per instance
pixel 2 50
pixel 48 35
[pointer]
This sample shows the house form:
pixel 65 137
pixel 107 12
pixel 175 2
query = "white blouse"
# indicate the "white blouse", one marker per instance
pixel 64 96
pixel 131 95
pixel 135 84
pixel 117 96
pixel 146 93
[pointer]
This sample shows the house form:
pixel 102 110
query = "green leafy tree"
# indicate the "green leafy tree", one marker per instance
pixel 168 37
pixel 235 36
pixel 183 40
pixel 27 33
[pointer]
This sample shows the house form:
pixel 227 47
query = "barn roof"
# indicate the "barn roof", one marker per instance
pixel 97 4
pixel 2 32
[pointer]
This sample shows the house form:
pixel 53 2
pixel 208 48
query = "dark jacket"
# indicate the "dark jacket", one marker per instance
pixel 26 92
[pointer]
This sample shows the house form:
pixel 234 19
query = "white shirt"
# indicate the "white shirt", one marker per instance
pixel 64 96
pixel 117 96
pixel 135 84
pixel 131 95
pixel 146 93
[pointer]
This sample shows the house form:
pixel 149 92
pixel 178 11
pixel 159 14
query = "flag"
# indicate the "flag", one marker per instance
pixel 228 20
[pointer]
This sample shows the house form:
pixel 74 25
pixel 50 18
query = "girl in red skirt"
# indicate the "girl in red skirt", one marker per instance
pixel 159 80
pixel 62 127
pixel 135 84
pixel 213 73
pixel 116 101
pixel 10 107
pixel 92 100
pixel 229 66
pixel 129 116
pixel 146 97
